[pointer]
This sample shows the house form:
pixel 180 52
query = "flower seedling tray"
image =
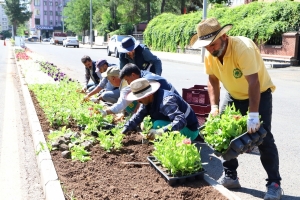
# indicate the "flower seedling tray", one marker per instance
pixel 242 144
pixel 173 180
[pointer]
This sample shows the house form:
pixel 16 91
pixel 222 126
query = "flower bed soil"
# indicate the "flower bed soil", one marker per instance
pixel 106 177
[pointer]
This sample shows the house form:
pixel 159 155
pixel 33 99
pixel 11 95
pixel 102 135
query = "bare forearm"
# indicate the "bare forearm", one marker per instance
pixel 95 91
pixel 254 97
pixel 213 90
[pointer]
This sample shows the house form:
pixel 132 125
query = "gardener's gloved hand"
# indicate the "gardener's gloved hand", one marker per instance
pixel 214 110
pixel 153 132
pixel 253 122
pixel 103 112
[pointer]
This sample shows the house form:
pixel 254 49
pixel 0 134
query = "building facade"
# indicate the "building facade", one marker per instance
pixel 47 17
pixel 4 23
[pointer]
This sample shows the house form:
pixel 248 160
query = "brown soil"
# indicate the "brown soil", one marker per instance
pixel 106 177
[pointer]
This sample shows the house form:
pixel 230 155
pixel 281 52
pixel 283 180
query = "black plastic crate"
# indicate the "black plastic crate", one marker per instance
pixel 173 180
pixel 241 144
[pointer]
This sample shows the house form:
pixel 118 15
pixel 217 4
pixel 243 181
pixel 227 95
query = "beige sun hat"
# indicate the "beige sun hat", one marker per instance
pixel 111 71
pixel 141 88
pixel 208 31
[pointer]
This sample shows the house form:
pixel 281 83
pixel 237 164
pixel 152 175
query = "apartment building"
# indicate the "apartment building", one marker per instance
pixel 4 23
pixel 46 17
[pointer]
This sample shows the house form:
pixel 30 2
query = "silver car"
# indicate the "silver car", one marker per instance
pixel 71 41
pixel 114 43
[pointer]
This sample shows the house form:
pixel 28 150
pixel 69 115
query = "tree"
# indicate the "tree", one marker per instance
pixel 17 13
pixel 5 34
pixel 21 30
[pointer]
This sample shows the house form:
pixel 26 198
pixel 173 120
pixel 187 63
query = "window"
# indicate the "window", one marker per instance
pixel 56 13
pixel 275 40
pixel 56 3
pixel 36 2
pixel 45 12
pixel 4 23
pixel 37 12
pixel 4 27
pixel 45 22
pixel 60 13
pixel 3 19
pixel 50 3
pixel 56 22
pixel 51 13
pixel 45 3
pixel 50 22
pixel 37 22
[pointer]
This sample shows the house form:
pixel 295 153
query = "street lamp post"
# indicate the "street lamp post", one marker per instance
pixel 91 24
pixel 62 16
pixel 203 17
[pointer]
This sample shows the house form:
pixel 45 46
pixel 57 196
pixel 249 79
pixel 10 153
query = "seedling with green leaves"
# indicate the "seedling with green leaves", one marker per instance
pixel 177 154
pixel 221 129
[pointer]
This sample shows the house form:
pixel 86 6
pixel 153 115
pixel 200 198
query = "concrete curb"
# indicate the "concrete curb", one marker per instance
pixel 49 179
pixel 227 193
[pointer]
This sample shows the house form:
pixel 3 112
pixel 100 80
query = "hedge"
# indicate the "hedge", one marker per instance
pixel 257 20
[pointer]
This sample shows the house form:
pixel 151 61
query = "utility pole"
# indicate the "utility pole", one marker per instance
pixel 203 17
pixel 91 24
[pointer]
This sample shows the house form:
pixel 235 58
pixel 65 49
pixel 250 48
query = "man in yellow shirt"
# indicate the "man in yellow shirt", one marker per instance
pixel 237 63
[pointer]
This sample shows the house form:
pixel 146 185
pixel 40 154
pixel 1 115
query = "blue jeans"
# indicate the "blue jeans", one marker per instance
pixel 268 150
pixel 111 96
pixel 91 86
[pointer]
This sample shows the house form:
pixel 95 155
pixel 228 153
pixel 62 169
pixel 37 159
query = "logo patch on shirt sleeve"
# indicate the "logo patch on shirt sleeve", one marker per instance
pixel 237 73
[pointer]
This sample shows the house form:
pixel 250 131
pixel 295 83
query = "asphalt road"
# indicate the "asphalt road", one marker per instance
pixel 286 109
pixel 19 174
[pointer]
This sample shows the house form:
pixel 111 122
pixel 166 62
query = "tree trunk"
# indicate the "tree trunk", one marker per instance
pixel 83 38
pixel 14 29
pixel 148 11
pixel 182 6
pixel 163 3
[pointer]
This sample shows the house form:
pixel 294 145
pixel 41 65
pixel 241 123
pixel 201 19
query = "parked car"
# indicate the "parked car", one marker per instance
pixel 33 39
pixel 114 44
pixel 52 41
pixel 46 40
pixel 71 41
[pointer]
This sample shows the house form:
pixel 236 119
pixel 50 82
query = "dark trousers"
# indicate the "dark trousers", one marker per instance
pixel 268 150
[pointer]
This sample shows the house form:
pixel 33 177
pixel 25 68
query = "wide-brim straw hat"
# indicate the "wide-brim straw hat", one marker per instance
pixel 208 31
pixel 141 88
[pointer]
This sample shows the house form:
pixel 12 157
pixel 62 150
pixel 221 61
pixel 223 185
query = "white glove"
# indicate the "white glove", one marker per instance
pixel 214 110
pixel 253 122
pixel 153 132
pixel 103 112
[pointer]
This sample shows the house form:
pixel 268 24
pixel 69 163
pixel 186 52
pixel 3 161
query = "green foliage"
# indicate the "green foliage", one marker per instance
pixel 177 154
pixel 79 153
pixel 17 12
pixel 21 29
pixel 221 129
pixel 111 139
pixel 147 125
pixel 62 104
pixel 168 31
pixel 257 21
pixel 6 34
pixel 78 12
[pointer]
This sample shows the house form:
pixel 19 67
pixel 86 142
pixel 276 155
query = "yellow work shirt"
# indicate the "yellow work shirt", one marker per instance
pixel 242 58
